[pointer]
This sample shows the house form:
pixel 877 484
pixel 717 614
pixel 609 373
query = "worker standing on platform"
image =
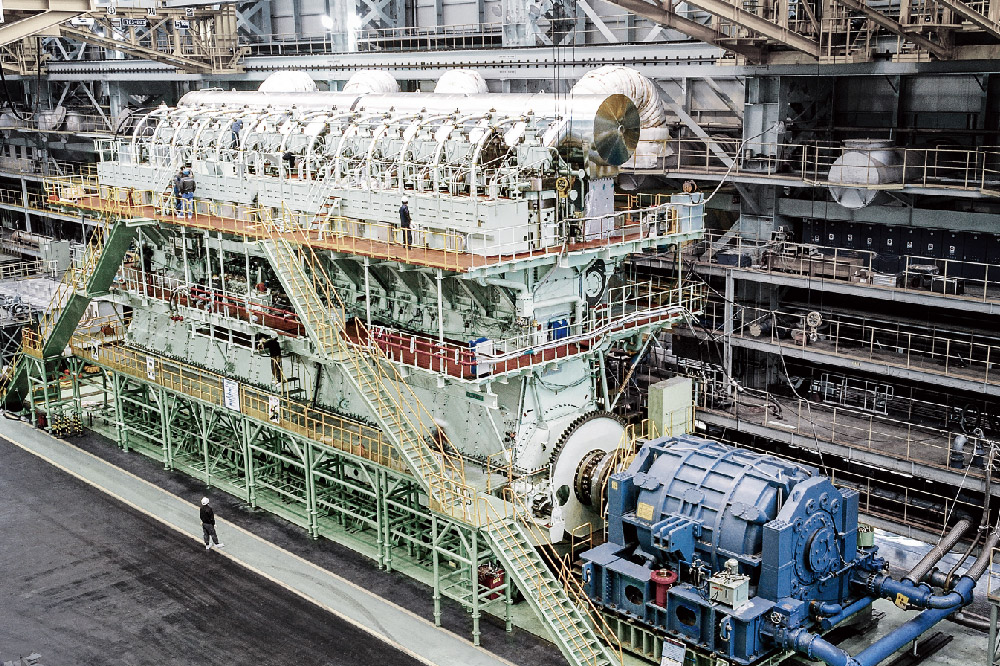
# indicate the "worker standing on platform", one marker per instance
pixel 208 525
pixel 404 222
pixel 235 130
pixel 187 187
pixel 178 202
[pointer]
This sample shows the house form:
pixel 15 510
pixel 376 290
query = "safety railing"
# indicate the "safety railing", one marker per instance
pixel 954 354
pixel 951 278
pixel 902 503
pixel 23 270
pixel 648 304
pixel 182 294
pixel 932 167
pixel 464 503
pixel 70 122
pixel 620 28
pixel 368 362
pixel 99 343
pixel 452 250
pixel 844 426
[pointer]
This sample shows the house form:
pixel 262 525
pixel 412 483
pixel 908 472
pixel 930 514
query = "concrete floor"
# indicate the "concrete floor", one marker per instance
pixel 101 581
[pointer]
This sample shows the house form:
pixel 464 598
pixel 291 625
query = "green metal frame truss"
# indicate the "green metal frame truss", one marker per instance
pixel 328 492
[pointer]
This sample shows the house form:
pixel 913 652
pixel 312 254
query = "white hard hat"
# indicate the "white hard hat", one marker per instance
pixel 204 501
pixel 406 199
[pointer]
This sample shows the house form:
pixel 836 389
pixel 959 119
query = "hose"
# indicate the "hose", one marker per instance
pixel 984 522
pixel 935 554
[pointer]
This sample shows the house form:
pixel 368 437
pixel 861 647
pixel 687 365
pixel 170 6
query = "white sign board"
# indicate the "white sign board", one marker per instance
pixel 273 409
pixel 673 653
pixel 231 394
pixel 151 368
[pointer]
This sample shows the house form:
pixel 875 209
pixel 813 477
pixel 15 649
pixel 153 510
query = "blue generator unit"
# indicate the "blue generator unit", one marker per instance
pixel 725 548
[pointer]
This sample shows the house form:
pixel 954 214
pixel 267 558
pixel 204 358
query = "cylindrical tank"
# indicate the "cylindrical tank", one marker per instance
pixel 371 81
pixel 77 121
pixel 51 119
pixel 279 82
pixel 867 163
pixel 461 82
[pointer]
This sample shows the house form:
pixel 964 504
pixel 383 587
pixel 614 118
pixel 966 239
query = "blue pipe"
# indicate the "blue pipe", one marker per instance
pixel 836 613
pixel 920 596
pixel 817 647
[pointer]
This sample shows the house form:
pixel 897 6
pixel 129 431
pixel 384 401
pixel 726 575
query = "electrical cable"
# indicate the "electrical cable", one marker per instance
pixel 10 102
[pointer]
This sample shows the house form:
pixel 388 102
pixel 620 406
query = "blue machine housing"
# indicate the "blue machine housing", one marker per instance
pixel 687 506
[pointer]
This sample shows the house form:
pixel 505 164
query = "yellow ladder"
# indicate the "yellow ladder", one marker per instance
pixel 395 407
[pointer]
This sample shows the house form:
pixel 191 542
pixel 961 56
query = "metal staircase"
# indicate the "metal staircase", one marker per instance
pixel 559 602
pixel 395 408
pixel 86 279
pixel 568 625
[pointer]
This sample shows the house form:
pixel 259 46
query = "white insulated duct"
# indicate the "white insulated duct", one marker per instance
pixel 369 81
pixel 653 133
pixel 280 82
pixel 461 82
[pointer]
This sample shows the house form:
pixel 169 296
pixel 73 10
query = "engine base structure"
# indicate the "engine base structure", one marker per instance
pixel 719 546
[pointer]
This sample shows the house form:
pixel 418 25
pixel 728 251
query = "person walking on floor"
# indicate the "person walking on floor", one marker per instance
pixel 404 222
pixel 208 525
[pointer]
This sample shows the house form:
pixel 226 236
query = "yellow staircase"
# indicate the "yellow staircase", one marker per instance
pixel 559 602
pixel 577 634
pixel 396 409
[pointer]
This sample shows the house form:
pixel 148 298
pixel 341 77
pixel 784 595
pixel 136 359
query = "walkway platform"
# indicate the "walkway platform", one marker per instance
pixel 455 260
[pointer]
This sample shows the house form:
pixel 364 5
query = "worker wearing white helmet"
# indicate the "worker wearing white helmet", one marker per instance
pixel 208 525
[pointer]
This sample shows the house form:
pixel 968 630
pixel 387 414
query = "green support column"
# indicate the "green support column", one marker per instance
pixel 474 583
pixel 204 428
pixel 161 400
pixel 248 468
pixel 309 471
pixel 380 518
pixel 386 522
pixel 31 364
pixel 117 381
pixel 75 370
pixel 436 557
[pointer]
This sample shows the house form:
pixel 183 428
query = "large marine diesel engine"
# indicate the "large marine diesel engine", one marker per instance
pixel 710 543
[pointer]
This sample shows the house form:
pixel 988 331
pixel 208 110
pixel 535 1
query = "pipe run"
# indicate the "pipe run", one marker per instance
pixel 816 647
pixel 935 554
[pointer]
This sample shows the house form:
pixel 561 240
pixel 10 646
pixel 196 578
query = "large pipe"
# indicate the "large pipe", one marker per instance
pixel 935 554
pixel 816 647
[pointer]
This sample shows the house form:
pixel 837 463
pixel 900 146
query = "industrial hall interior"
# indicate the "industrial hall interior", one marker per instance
pixel 500 332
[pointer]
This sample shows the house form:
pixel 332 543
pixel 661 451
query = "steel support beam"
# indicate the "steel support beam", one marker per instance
pixel 12 32
pixel 664 15
pixel 965 11
pixel 883 21
pixel 186 64
pixel 749 20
